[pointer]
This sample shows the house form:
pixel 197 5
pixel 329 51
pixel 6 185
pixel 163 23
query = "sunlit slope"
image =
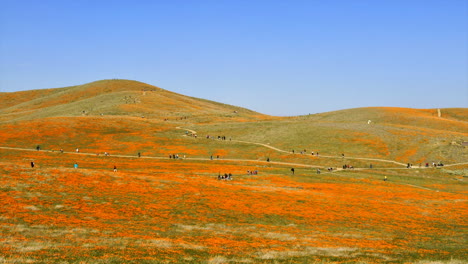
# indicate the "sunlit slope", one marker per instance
pixel 115 97
pixel 127 117
pixel 406 135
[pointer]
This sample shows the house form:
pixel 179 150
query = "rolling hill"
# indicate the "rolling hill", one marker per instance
pixel 117 98
pixel 166 201
pixel 124 113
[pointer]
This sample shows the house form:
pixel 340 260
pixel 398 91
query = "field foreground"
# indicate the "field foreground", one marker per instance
pixel 157 210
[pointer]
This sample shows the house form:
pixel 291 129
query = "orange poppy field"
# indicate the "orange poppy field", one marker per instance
pixel 117 207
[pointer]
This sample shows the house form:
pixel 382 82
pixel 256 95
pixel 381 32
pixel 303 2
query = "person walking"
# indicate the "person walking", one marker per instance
pixel 292 170
pixel 32 164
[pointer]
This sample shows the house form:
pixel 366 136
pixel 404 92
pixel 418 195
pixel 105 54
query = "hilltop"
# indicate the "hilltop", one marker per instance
pixel 116 98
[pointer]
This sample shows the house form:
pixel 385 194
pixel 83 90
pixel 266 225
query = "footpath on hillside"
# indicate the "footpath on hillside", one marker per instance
pixel 323 156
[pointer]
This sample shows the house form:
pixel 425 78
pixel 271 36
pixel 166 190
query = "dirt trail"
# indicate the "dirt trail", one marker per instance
pixel 229 160
pixel 242 160
pixel 165 158
pixel 288 152
pixel 191 131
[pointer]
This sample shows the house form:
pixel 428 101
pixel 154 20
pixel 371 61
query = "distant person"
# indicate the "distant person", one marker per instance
pixel 385 178
pixel 32 164
pixel 292 170
pixel 370 166
pixel 77 150
pixel 268 159
pixel 38 147
pixel 318 171
pixel 115 168
pixel 75 165
pixel 61 150
pixel 139 154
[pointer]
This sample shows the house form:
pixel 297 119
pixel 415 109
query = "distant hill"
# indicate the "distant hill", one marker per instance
pixel 115 97
pixel 403 134
pixel 453 119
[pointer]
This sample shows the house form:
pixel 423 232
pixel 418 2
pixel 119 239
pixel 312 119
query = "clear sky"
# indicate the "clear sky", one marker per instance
pixel 276 57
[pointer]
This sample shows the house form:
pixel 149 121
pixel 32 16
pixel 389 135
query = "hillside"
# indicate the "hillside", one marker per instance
pixel 128 181
pixel 405 135
pixel 117 98
pixel 112 110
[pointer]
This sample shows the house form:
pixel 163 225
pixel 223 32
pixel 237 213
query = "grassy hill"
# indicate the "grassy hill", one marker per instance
pixel 115 109
pixel 115 97
pixel 157 209
pixel 406 135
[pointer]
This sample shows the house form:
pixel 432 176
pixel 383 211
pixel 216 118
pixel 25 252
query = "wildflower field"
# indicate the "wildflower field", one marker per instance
pixel 159 209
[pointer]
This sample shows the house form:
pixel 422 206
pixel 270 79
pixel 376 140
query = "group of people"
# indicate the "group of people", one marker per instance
pixel 211 157
pixel 254 172
pixel 305 152
pixel 177 119
pixel 219 137
pixel 440 164
pixel 346 166
pixel 226 176
pixel 191 134
pixel 173 156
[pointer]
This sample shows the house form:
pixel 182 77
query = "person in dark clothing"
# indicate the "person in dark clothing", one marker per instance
pixel 292 170
pixel 32 164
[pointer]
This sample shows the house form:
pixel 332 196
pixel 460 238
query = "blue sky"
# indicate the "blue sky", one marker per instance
pixel 276 57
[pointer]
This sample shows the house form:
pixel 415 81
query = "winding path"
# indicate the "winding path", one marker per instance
pixel 245 160
pixel 288 152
